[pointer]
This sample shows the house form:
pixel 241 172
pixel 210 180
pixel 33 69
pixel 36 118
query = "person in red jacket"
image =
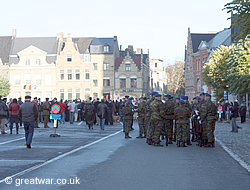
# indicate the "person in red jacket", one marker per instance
pixel 14 107
pixel 62 110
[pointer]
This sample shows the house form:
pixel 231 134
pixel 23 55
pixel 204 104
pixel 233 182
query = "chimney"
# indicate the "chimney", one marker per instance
pixel 13 33
pixel 115 38
pixel 120 47
pixel 69 39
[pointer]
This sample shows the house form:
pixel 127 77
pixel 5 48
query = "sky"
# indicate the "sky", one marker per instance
pixel 160 26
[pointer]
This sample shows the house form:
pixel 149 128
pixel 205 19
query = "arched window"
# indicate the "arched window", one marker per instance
pixel 198 85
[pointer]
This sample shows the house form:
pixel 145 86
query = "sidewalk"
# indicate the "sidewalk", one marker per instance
pixel 235 144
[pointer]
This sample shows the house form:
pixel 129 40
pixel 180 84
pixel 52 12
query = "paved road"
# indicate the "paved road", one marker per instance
pixel 105 160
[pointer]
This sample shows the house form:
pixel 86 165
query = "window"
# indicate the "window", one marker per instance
pixel 27 62
pixel 77 74
pixel 77 93
pixel 61 91
pixel 127 67
pixel 38 94
pixel 17 79
pixel 38 62
pixel 69 93
pixel 87 89
pixel 69 74
pixel 27 80
pixel 95 82
pixel 48 79
pixel 86 74
pixel 38 80
pixel 106 49
pixel 87 96
pixel 61 74
pixel 133 82
pixel 95 66
pixel 106 82
pixel 27 93
pixel 105 66
pixel 86 58
pixel 155 64
pixel 48 94
pixel 95 95
pixel 69 57
pixel 122 83
pixel 198 85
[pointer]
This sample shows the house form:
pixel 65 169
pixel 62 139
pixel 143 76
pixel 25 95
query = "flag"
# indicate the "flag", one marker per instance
pixel 35 86
pixel 111 96
pixel 27 87
pixel 115 98
pixel 119 96
pixel 107 97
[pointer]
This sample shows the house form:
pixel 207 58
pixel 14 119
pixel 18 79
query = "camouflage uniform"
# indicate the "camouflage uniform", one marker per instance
pixel 142 118
pixel 203 129
pixel 176 105
pixel 167 112
pixel 148 120
pixel 156 120
pixel 209 113
pixel 188 128
pixel 128 116
pixel 182 115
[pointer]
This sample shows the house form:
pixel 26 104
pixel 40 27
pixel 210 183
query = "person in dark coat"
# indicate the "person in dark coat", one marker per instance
pixel 97 102
pixel 110 110
pixel 102 112
pixel 4 115
pixel 234 112
pixel 14 107
pixel 89 112
pixel 243 111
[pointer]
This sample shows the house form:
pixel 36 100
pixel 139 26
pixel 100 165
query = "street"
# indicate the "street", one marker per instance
pixel 96 159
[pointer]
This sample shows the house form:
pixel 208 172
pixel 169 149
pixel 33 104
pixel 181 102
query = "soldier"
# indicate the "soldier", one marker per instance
pixel 195 123
pixel 185 98
pixel 157 122
pixel 182 115
pixel 37 106
pixel 210 115
pixel 167 112
pixel 203 123
pixel 46 111
pixel 148 119
pixel 177 103
pixel 128 116
pixel 141 120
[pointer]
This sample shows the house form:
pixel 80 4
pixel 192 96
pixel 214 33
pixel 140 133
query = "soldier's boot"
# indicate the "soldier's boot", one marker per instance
pixel 205 143
pixel 193 139
pixel 201 143
pixel 147 140
pixel 11 127
pixel 189 143
pixel 17 128
pixel 150 142
pixel 178 144
pixel 183 144
pixel 170 141
pixel 212 143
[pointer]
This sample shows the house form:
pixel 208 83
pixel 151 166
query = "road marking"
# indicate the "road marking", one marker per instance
pixel 80 123
pixel 12 140
pixel 22 160
pixel 234 156
pixel 59 157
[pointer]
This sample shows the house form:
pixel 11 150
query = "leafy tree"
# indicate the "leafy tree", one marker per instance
pixel 4 87
pixel 215 71
pixel 239 69
pixel 240 10
pixel 175 78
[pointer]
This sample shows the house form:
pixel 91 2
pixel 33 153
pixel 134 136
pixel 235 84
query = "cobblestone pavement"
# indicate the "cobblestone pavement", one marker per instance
pixel 236 144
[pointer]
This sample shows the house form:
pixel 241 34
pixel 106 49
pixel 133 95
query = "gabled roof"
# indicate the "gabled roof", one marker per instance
pixel 222 38
pixel 82 44
pixel 119 60
pixel 5 46
pixel 47 44
pixel 198 37
pixel 97 44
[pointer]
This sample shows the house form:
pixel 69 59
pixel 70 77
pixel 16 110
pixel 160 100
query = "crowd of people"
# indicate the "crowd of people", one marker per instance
pixel 157 119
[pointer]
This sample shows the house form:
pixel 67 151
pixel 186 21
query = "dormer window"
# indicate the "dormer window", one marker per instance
pixel 106 49
pixel 69 57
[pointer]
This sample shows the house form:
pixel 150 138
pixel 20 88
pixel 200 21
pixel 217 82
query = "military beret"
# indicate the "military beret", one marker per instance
pixel 208 95
pixel 183 97
pixel 195 98
pixel 131 98
pixel 182 101
pixel 177 98
pixel 126 96
pixel 168 96
pixel 46 98
pixel 27 97
pixel 202 94
pixel 144 98
pixel 199 98
pixel 140 98
pixel 153 93
pixel 158 95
